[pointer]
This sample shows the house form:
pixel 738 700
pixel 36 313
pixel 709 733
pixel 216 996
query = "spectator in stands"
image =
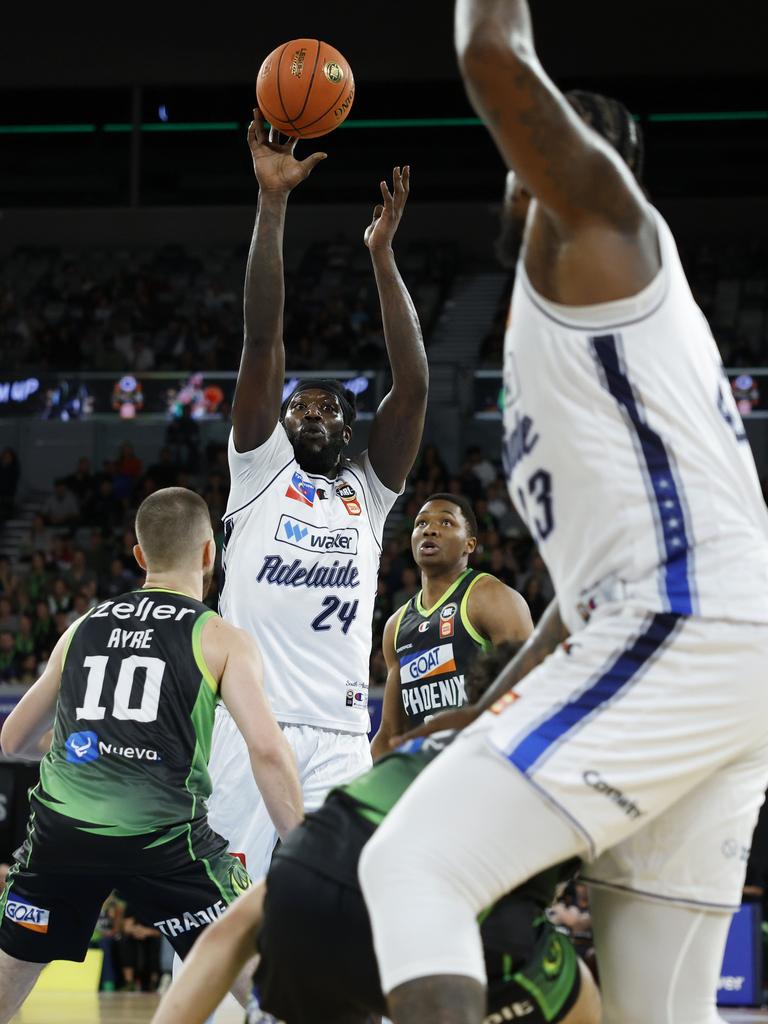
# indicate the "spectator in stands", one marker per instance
pixel 27 669
pixel 9 621
pixel 61 508
pixel 39 536
pixel 59 596
pixel 140 954
pixel 38 577
pixel 118 581
pixel 409 586
pixel 81 483
pixel 9 581
pixel 60 554
pixel 9 662
pixel 431 470
pixel 105 508
pixel 9 482
pixel 98 556
pixel 43 627
pixel 482 467
pixel 25 638
pixel 164 472
pixel 79 574
pixel 183 438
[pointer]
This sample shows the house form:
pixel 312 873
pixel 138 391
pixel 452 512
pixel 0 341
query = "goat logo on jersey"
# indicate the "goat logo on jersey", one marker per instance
pixel 437 661
pixel 36 919
pixel 301 490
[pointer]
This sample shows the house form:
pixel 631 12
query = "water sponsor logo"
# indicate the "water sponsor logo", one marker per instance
pixel 82 747
pixel 26 915
pixel 301 490
pixel 316 539
pixel 437 661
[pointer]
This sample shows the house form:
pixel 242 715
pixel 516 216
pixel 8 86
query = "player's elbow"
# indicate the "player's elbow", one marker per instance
pixel 488 46
pixel 10 740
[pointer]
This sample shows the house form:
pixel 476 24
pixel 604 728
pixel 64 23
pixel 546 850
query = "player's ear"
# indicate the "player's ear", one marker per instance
pixel 471 544
pixel 209 553
pixel 347 435
pixel 138 554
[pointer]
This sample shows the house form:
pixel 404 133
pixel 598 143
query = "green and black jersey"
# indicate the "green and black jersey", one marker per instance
pixel 435 647
pixel 131 740
pixel 532 970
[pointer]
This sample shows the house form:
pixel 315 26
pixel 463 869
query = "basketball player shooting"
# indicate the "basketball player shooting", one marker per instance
pixel 639 745
pixel 304 521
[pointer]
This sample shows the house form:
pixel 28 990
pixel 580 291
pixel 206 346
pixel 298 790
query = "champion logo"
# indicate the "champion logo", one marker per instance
pixel 293 531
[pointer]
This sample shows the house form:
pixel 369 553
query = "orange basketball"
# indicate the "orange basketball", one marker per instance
pixel 305 88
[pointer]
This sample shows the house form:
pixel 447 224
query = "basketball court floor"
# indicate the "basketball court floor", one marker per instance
pixel 138 1007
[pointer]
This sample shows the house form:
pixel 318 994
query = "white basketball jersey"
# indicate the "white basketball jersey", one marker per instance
pixel 301 558
pixel 626 456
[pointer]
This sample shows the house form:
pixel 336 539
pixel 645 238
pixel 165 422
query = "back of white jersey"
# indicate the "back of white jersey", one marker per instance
pixel 626 456
pixel 301 558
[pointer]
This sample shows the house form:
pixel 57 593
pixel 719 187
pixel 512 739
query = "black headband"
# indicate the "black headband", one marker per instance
pixel 333 387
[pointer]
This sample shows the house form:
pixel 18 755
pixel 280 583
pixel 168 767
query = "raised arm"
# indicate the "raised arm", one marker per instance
pixel 573 173
pixel 399 422
pixel 259 389
pixel 236 660
pixel 392 716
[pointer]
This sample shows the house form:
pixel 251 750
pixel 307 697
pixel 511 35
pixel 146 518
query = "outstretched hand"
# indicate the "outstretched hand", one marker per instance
pixel 386 218
pixel 454 718
pixel 275 166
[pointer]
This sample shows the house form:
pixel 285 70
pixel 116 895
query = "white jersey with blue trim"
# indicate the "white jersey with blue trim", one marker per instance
pixel 626 456
pixel 300 563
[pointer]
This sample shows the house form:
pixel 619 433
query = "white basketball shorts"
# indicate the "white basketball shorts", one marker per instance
pixel 325 759
pixel 649 732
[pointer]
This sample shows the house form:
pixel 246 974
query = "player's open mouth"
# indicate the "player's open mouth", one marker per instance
pixel 428 547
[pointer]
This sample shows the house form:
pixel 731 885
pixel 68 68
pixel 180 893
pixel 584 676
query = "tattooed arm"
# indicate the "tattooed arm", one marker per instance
pixel 585 192
pixel 548 633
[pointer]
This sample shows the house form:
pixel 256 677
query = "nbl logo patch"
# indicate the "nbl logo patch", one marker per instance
pixel 24 914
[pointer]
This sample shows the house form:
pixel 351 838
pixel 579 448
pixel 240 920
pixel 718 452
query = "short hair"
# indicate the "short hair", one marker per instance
pixel 487 666
pixel 463 504
pixel 169 526
pixel 613 121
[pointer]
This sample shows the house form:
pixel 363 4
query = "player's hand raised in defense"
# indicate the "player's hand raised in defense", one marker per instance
pixel 386 218
pixel 275 166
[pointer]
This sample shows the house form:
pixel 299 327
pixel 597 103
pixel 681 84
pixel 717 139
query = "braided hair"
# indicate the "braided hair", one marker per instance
pixel 611 119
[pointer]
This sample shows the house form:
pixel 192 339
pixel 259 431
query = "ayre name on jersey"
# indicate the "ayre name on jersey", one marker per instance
pixel 142 611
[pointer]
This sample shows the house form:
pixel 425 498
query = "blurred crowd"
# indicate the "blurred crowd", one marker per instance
pixel 77 548
pixel 177 308
pixel 729 283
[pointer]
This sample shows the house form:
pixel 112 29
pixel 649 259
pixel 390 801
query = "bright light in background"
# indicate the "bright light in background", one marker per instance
pixel 162 112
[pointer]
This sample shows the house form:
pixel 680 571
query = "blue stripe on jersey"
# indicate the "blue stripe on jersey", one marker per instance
pixel 674 544
pixel 625 669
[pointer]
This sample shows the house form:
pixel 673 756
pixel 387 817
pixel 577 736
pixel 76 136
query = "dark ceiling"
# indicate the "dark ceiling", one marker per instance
pixel 87 44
